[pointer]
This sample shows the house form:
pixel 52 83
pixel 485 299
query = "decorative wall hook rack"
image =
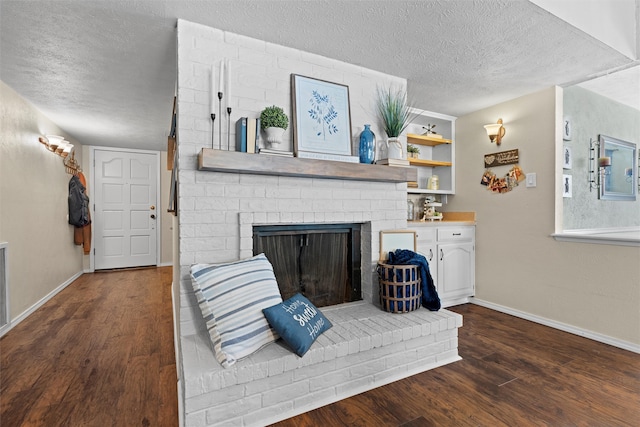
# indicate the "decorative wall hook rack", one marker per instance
pixel 594 169
pixel 71 165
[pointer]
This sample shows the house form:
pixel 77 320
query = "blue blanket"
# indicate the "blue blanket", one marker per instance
pixel 430 299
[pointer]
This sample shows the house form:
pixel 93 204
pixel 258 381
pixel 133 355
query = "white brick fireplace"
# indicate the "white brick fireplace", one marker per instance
pixel 365 348
pixel 217 211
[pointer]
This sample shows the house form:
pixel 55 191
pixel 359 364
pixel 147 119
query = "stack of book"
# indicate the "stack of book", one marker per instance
pixel 393 162
pixel 247 135
pixel 272 152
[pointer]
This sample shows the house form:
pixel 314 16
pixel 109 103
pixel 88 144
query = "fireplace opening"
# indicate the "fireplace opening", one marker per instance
pixel 321 261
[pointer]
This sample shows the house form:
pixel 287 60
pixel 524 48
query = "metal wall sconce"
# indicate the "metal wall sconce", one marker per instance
pixel 56 144
pixel 598 166
pixel 495 131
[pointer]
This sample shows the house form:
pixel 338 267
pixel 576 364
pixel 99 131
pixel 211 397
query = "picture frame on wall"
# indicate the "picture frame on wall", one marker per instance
pixel 566 186
pixel 321 116
pixel 566 129
pixel 567 158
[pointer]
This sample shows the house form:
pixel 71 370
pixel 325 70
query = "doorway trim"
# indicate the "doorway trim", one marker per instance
pixel 92 205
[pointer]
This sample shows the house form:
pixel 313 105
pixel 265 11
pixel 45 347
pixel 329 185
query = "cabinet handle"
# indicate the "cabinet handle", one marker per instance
pixel 441 254
pixel 457 234
pixel 430 254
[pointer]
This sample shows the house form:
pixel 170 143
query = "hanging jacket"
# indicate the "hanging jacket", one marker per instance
pixel 82 235
pixel 78 203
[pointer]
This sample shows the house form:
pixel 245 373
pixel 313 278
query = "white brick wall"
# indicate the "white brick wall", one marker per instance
pixel 217 211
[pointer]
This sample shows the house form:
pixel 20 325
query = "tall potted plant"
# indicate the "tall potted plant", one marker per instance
pixel 274 122
pixel 396 115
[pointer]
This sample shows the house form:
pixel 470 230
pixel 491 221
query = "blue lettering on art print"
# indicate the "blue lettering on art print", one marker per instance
pixel 324 113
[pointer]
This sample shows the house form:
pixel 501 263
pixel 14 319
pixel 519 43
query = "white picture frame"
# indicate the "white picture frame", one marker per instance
pixel 566 128
pixel 566 185
pixel 390 240
pixel 321 116
pixel 567 157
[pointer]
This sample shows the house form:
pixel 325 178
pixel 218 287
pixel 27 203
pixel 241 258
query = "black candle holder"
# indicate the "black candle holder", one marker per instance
pixel 220 96
pixel 228 128
pixel 213 127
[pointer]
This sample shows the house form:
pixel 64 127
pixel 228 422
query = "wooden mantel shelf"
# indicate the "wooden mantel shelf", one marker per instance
pixel 262 164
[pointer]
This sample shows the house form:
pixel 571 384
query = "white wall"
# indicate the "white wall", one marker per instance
pixel 33 205
pixel 518 265
pixel 592 115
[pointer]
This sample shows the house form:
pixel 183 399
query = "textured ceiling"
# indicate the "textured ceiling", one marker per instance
pixel 105 71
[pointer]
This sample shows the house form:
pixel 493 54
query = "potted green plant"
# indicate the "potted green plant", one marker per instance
pixel 412 151
pixel 396 115
pixel 274 122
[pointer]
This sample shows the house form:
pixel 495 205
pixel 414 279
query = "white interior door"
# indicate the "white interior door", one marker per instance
pixel 125 209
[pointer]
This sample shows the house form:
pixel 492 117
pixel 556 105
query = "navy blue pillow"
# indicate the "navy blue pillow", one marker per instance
pixel 298 322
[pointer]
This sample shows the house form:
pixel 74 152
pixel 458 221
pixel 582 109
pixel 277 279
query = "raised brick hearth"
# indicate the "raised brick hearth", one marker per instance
pixel 365 348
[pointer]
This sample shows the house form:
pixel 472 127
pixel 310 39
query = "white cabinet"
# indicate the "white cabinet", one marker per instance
pixel 437 154
pixel 453 266
pixel 426 246
pixel 456 271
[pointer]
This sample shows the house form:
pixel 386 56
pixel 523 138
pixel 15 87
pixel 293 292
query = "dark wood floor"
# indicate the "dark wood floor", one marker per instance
pixel 513 373
pixel 100 353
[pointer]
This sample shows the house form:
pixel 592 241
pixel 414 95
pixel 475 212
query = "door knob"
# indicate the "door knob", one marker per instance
pixel 153 216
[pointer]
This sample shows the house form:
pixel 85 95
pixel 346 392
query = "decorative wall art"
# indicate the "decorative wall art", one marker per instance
pixel 566 158
pixel 504 184
pixel 566 185
pixel 502 158
pixel 566 129
pixel 321 116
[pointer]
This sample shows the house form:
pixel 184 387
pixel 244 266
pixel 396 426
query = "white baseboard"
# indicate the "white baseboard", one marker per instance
pixel 38 304
pixel 626 345
pixel 165 264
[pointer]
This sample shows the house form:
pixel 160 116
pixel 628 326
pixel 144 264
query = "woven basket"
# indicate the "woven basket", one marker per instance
pixel 400 290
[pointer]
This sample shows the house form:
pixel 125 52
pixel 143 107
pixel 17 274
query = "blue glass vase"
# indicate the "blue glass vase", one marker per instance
pixel 367 145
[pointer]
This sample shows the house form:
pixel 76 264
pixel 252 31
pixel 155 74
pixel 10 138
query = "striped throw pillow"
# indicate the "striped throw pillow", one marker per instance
pixel 231 297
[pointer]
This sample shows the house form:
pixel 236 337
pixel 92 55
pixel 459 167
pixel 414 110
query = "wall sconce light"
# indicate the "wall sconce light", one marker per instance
pixel 598 166
pixel 603 164
pixel 495 131
pixel 64 149
pixel 56 144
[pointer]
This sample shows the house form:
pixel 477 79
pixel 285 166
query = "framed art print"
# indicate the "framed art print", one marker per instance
pixel 566 186
pixel 566 129
pixel 321 116
pixel 566 158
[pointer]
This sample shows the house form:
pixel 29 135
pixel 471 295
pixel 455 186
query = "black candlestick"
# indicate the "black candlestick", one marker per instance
pixel 228 127
pixel 220 114
pixel 213 128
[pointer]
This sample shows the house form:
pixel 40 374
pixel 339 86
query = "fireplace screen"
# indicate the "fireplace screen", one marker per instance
pixel 321 261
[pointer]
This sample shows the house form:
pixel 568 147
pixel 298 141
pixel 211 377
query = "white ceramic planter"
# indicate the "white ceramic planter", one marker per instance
pixel 274 136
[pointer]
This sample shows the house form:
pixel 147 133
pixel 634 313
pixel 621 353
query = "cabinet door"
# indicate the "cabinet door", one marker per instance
pixel 426 246
pixel 429 251
pixel 456 270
